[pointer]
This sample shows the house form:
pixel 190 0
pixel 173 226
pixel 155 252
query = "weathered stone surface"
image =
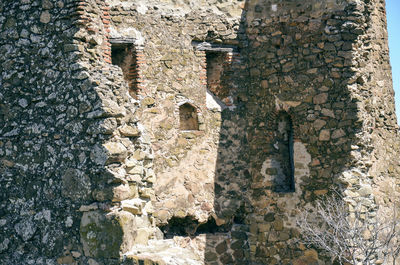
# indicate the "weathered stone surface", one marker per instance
pixel 101 236
pixel 106 236
pixel 134 206
pixel 171 251
pixel 116 152
pixel 129 131
pixel 338 134
pixel 106 126
pixel 325 135
pixel 124 192
pixel 75 184
pixel 65 260
pixel 320 98
pixel 70 112
pixel 319 124
pixel 92 133
pixel 45 17
pixel 26 229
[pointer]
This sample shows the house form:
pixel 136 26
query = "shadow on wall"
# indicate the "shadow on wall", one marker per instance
pixel 290 135
pixel 42 121
pixel 228 243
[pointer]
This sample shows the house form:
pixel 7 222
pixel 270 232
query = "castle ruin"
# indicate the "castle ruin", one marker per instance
pixel 188 131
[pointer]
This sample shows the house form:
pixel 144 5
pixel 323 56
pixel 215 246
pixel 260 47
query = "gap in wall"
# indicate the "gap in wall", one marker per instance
pixel 124 56
pixel 189 226
pixel 216 66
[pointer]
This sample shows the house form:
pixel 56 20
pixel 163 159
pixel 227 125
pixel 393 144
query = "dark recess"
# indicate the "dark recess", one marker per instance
pixel 188 226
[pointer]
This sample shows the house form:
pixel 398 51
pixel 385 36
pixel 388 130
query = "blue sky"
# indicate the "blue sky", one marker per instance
pixel 393 18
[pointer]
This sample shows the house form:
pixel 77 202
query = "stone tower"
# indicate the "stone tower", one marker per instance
pixel 188 131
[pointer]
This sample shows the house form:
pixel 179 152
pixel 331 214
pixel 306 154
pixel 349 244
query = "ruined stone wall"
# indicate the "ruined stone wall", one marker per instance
pixel 174 72
pixel 200 173
pixel 374 86
pixel 187 132
pixel 43 144
pixel 70 140
pixel 299 65
pixel 317 62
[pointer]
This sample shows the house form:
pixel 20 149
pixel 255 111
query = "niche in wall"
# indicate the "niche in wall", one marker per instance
pixel 283 145
pixel 188 117
pixel 216 64
pixel 123 54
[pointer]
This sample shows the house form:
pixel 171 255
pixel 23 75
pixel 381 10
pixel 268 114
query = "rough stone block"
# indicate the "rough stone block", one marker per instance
pixel 75 185
pixel 107 235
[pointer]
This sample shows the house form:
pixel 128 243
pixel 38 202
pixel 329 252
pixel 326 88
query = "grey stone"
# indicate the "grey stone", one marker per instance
pixel 45 17
pixel 75 184
pixel 26 229
pixel 320 98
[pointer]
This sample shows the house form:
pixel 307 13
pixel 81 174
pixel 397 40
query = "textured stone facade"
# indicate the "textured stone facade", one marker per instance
pixel 188 132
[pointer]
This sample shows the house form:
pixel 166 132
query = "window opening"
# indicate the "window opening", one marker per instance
pixel 220 68
pixel 188 117
pixel 124 56
pixel 284 179
pixel 216 66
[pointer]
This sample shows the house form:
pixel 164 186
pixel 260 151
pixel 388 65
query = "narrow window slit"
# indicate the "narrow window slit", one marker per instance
pixel 284 179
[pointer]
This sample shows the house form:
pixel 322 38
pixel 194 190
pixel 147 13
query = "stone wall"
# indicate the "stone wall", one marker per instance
pixel 318 63
pixel 174 74
pixel 188 132
pixel 74 160
pixel 44 148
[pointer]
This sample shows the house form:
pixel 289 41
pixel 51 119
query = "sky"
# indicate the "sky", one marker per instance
pixel 393 19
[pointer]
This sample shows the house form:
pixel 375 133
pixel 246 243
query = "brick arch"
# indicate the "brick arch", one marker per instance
pixel 273 116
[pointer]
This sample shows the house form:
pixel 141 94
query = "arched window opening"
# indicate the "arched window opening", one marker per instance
pixel 284 179
pixel 188 117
